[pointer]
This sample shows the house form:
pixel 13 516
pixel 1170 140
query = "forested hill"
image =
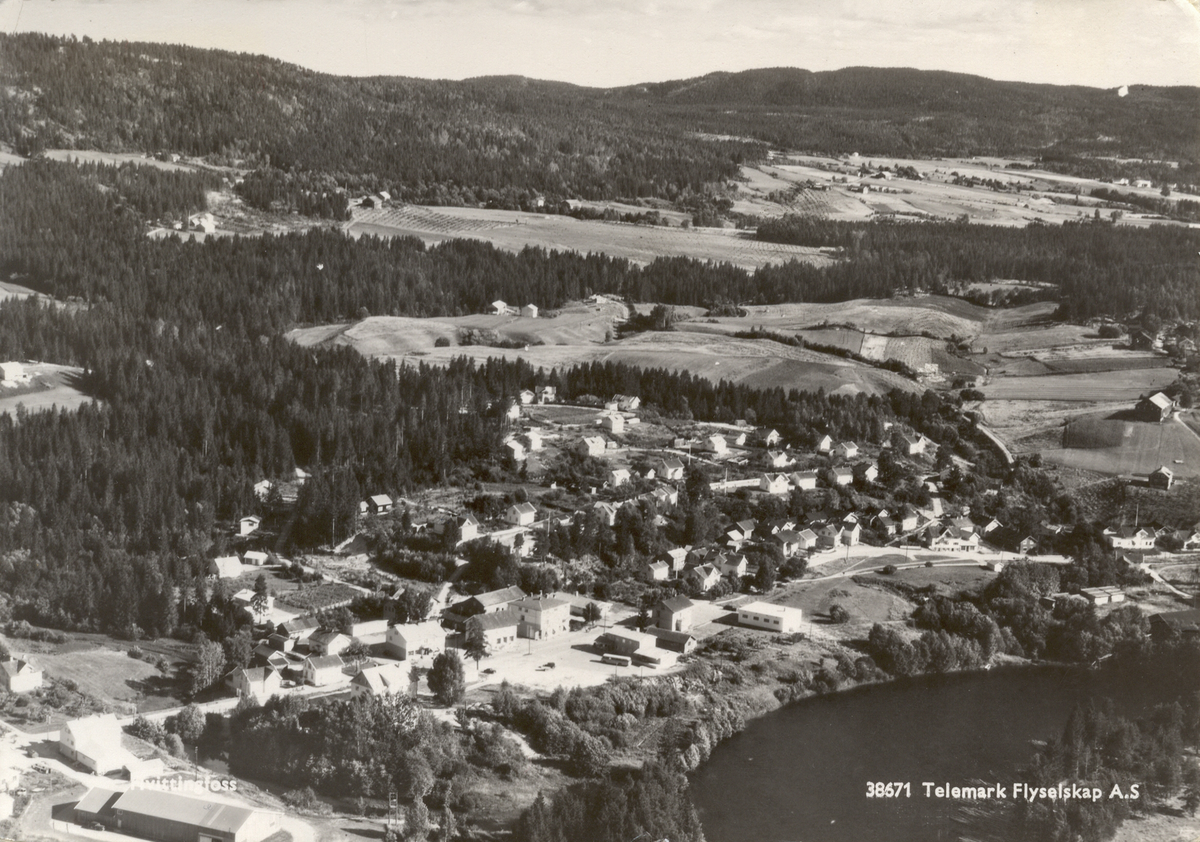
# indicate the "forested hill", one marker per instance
pixel 505 138
pixel 923 112
pixel 436 142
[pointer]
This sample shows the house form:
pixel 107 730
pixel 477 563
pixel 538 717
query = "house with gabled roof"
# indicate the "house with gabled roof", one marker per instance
pixel 529 311
pixel 674 613
pixel 21 674
pixel 520 514
pixel 670 469
pixel 257 683
pixel 914 445
pixel 321 670
pixel 804 480
pixel 770 437
pixel 716 444
pixel 675 558
pixel 846 450
pixel 94 742
pixel 546 394
pixel 514 451
pixel 618 477
pixel 705 576
pixel 328 642
pixel 606 511
pixel 499 629
pixel 225 567
pixel 627 403
pixel 1131 537
pixel 733 565
pixel 774 483
pixel 407 640
pixel 490 602
pixel 590 446
pixel 539 617
pixel 841 476
pixel 380 680
pixel 658 571
pixel 248 524
pixel 1161 477
pixel 499 308
pixel 778 459
pixel 379 504
pixel 825 444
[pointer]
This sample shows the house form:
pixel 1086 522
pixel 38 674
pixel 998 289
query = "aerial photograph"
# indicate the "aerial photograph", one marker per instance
pixel 618 421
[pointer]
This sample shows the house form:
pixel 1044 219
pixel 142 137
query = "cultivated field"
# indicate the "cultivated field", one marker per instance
pixel 1113 446
pixel 87 156
pixel 514 230
pixel 1099 386
pixel 53 386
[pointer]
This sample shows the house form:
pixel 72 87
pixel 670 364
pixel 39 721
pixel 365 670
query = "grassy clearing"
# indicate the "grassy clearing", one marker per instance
pixel 1101 386
pixel 54 386
pixel 1094 445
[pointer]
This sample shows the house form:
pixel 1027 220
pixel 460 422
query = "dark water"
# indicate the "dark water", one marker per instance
pixel 800 774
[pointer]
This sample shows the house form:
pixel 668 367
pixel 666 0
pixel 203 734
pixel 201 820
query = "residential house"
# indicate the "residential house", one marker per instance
pixel 13 372
pixel 733 565
pixel 226 567
pixel 245 599
pixel 328 642
pixel 851 534
pixel 529 311
pixel 615 424
pixel 380 680
pixel 846 450
pixel 767 615
pixel 94 742
pixel 546 394
pixel 542 616
pixel 670 469
pixel 491 602
pixel 774 483
pixel 908 519
pixel 513 412
pixel 534 437
pixel 293 632
pixel 914 445
pixel 884 523
pixel 658 571
pixel 607 512
pixel 321 670
pixel 405 641
pixel 948 536
pixel 829 535
pixel 1161 477
pixel 464 527
pixel 1156 408
pixel 618 477
pixel 778 459
pixel 257 683
pixel 716 444
pixel 520 514
pixel 525 396
pixel 705 576
pixel 666 496
pixel 255 558
pixel 804 480
pixel 743 530
pixel 499 629
pixel 841 476
pixel 870 472
pixel 499 308
pixel 1131 537
pixel 266 655
pixel 770 438
pixel 21 674
pixel 262 489
pixel 824 444
pixel 514 451
pixel 675 558
pixel 788 542
pixel 628 403
pixel 739 438
pixel 674 613
pixel 249 524
pixel 590 446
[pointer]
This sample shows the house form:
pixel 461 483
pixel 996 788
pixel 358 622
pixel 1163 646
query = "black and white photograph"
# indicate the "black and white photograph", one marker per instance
pixel 616 421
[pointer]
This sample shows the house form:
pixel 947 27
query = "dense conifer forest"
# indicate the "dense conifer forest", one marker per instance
pixel 509 138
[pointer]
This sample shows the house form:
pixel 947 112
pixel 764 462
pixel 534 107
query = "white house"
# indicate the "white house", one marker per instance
pixel 529 311
pixel 249 524
pixel 499 308
pixel 1131 538
pixel 379 504
pixel 716 444
pixel 670 469
pixel 842 476
pixel 824 444
pixel 226 567
pixel 534 437
pixel 590 446
pixel 407 640
pixel 21 674
pixel 255 558
pixel 546 394
pixel 380 680
pixel 806 480
pixel 514 450
pixel 778 459
pixel 766 615
pixel 613 423
pixel 706 576
pixel 320 670
pixel 94 742
pixel 915 445
pixel 499 628
pixel 871 472
pixel 774 483
pixel 520 514
pixel 770 438
pixel 607 512
pixel 13 372
pixel 618 477
pixel 734 565
pixel 257 683
pixel 658 571
pixel 627 403
pixel 540 617
pixel 847 450
pixel 262 488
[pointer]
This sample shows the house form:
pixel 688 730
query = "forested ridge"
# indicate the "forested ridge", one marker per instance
pixel 508 138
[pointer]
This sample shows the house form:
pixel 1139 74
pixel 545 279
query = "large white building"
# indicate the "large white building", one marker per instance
pixel 767 615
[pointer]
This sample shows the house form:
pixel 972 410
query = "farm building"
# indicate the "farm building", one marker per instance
pixel 520 514
pixel 405 640
pixel 590 446
pixel 21 674
pixel 499 308
pixel 546 394
pixel 766 615
pixel 1161 477
pixel 627 403
pixel 1172 623
pixel 540 617
pixel 249 524
pixel 172 817
pixel 1156 408
pixel 499 629
pixel 13 372
pixel 529 311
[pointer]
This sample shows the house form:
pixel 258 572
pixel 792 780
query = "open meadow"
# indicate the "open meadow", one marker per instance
pixel 1127 448
pixel 1128 385
pixel 514 230
pixel 53 386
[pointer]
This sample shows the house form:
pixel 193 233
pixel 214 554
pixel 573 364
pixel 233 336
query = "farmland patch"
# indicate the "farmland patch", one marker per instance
pixel 1100 386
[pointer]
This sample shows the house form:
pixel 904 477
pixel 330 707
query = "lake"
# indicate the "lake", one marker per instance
pixel 800 774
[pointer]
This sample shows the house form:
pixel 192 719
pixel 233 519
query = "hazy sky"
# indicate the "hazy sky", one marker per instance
pixel 1103 43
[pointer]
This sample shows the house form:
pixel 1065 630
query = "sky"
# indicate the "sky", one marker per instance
pixel 606 43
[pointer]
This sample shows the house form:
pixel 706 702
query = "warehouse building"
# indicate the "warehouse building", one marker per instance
pixel 171 817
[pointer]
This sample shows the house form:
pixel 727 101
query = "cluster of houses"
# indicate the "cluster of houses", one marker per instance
pixel 500 308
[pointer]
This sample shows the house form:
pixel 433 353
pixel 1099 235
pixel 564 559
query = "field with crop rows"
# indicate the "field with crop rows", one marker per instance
pixel 1100 386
